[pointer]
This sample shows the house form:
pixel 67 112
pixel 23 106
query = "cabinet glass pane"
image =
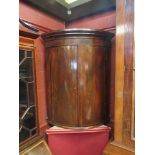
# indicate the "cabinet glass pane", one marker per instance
pixel 23 98
pixel 26 69
pixel 27 105
pixel 29 54
pixel 21 55
pixel 23 135
pixel 31 93
pixel 29 120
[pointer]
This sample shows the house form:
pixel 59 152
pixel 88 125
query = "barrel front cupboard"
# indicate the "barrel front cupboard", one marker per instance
pixel 76 77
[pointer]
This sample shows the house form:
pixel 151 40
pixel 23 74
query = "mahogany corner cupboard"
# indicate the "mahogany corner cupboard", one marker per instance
pixel 76 77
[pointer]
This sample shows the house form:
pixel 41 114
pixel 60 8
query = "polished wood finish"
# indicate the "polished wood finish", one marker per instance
pixel 91 85
pixel 124 81
pixel 128 75
pixel 38 29
pixel 76 77
pixel 64 85
pixel 26 32
pixel 111 84
pixel 119 74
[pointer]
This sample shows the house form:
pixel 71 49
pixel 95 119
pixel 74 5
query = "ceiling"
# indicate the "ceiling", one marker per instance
pixel 73 4
pixel 75 10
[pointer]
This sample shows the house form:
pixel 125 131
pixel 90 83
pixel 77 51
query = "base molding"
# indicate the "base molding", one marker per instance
pixel 117 149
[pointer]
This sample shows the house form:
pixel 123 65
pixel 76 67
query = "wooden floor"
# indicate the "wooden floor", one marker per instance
pixel 113 149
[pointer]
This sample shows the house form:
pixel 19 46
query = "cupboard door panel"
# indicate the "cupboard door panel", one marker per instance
pixel 64 84
pixel 85 84
pixel 91 83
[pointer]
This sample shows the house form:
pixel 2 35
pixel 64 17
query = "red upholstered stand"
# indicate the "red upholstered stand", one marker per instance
pixel 78 142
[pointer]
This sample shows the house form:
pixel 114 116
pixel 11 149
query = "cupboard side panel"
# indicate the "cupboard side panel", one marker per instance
pixel 101 110
pixel 48 86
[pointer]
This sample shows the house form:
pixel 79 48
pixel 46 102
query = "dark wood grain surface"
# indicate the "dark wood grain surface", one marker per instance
pixel 76 79
pixel 124 81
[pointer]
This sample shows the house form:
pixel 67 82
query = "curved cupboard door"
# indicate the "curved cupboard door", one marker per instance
pixel 76 85
pixel 64 85
pixel 91 84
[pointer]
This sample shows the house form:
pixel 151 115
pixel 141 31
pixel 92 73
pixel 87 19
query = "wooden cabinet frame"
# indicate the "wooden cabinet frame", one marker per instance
pixel 123 143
